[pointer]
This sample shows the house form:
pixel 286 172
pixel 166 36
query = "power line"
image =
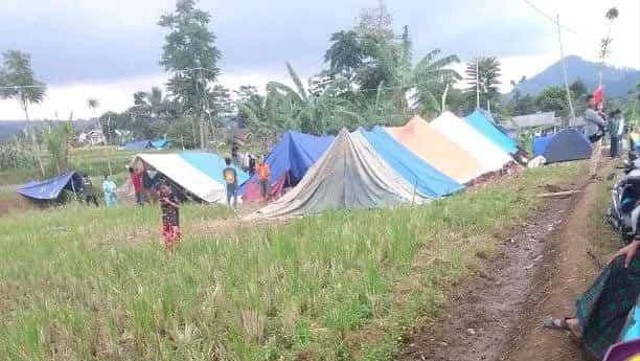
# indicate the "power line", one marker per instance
pixel 550 18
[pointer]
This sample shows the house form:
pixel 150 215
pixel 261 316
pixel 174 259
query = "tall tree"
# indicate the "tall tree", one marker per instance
pixel 94 104
pixel 483 76
pixel 190 55
pixel 19 81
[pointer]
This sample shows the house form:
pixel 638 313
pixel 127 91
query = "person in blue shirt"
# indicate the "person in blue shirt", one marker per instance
pixel 109 188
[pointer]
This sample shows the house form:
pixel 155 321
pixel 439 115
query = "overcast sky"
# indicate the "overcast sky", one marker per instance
pixel 108 49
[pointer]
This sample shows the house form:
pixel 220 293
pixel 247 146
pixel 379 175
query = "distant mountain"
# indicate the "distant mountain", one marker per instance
pixel 8 128
pixel 617 81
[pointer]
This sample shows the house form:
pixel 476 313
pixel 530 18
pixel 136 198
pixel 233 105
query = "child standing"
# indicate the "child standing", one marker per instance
pixel 170 217
pixel 109 189
pixel 231 178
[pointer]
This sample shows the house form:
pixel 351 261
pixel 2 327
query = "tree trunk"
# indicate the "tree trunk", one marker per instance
pixel 36 147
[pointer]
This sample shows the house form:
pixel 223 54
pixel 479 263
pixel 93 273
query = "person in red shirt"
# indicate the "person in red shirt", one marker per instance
pixel 264 173
pixel 138 187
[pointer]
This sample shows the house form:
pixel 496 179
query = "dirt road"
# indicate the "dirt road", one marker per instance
pixel 543 267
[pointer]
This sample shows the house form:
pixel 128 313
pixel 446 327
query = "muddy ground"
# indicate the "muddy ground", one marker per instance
pixel 542 267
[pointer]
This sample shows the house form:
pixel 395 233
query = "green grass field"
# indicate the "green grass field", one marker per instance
pixel 95 161
pixel 80 283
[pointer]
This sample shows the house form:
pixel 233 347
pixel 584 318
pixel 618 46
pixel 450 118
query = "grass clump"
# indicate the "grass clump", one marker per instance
pixel 340 286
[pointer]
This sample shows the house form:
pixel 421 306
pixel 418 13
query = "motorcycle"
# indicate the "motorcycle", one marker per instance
pixel 624 212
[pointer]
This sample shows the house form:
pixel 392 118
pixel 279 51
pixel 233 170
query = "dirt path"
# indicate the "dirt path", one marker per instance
pixel 497 315
pixel 569 273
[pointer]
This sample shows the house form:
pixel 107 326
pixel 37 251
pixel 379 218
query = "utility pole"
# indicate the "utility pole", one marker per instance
pixel 564 71
pixel 477 82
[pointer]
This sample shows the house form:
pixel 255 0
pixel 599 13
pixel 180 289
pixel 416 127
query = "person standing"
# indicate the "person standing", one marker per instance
pixel 231 178
pixel 170 208
pixel 614 123
pixel 264 173
pixel 138 186
pixel 594 131
pixel 89 191
pixel 109 188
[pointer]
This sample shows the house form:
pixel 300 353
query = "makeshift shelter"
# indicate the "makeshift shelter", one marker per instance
pixel 490 157
pixel 50 189
pixel 483 124
pixel 289 161
pixel 198 173
pixel 426 180
pixel 349 175
pixel 138 145
pixel 160 144
pixel 565 146
pixel 437 150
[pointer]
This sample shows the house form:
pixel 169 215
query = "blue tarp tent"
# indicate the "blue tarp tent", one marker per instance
pixel 289 161
pixel 212 165
pixel 540 144
pixel 428 181
pixel 138 145
pixel 565 146
pixel 160 144
pixel 50 189
pixel 488 128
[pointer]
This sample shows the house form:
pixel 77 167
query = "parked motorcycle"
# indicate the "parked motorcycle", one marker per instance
pixel 624 212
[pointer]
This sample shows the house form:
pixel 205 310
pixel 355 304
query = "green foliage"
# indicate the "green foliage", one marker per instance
pixel 86 283
pixel 16 72
pixel 483 75
pixel 554 99
pixel 189 53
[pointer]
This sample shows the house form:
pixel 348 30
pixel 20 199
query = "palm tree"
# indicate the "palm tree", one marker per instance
pixel 94 104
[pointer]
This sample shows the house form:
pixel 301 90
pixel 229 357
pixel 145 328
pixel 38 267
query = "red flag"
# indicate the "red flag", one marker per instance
pixel 598 97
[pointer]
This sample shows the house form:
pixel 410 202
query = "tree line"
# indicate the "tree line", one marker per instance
pixel 371 75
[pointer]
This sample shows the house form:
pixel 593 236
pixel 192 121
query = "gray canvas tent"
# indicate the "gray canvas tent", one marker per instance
pixel 349 175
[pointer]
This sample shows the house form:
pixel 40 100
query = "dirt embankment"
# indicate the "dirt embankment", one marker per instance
pixel 496 315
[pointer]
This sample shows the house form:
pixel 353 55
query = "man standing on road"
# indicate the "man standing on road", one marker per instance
pixel 231 178
pixel 594 130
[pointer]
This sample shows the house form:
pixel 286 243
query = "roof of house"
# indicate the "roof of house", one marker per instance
pixel 532 121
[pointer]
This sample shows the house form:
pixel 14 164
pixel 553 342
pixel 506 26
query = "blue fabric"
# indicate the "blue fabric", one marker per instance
pixel 567 145
pixel 212 165
pixel 489 129
pixel 138 145
pixel 540 144
pixel 109 189
pixel 295 154
pixel 427 180
pixel 49 189
pixel 160 144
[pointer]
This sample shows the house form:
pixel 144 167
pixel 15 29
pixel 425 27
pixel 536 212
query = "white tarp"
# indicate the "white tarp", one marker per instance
pixel 349 175
pixel 490 157
pixel 176 168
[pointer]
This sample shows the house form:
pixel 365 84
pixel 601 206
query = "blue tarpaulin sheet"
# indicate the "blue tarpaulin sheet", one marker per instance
pixel 540 144
pixel 428 181
pixel 211 165
pixel 487 128
pixel 295 153
pixel 49 189
pixel 160 144
pixel 138 145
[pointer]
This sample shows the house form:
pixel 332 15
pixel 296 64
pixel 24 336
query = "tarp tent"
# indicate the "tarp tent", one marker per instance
pixel 489 156
pixel 289 161
pixel 138 145
pixel 437 150
pixel 197 173
pixel 160 144
pixel 50 189
pixel 488 128
pixel 565 146
pixel 427 180
pixel 349 175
